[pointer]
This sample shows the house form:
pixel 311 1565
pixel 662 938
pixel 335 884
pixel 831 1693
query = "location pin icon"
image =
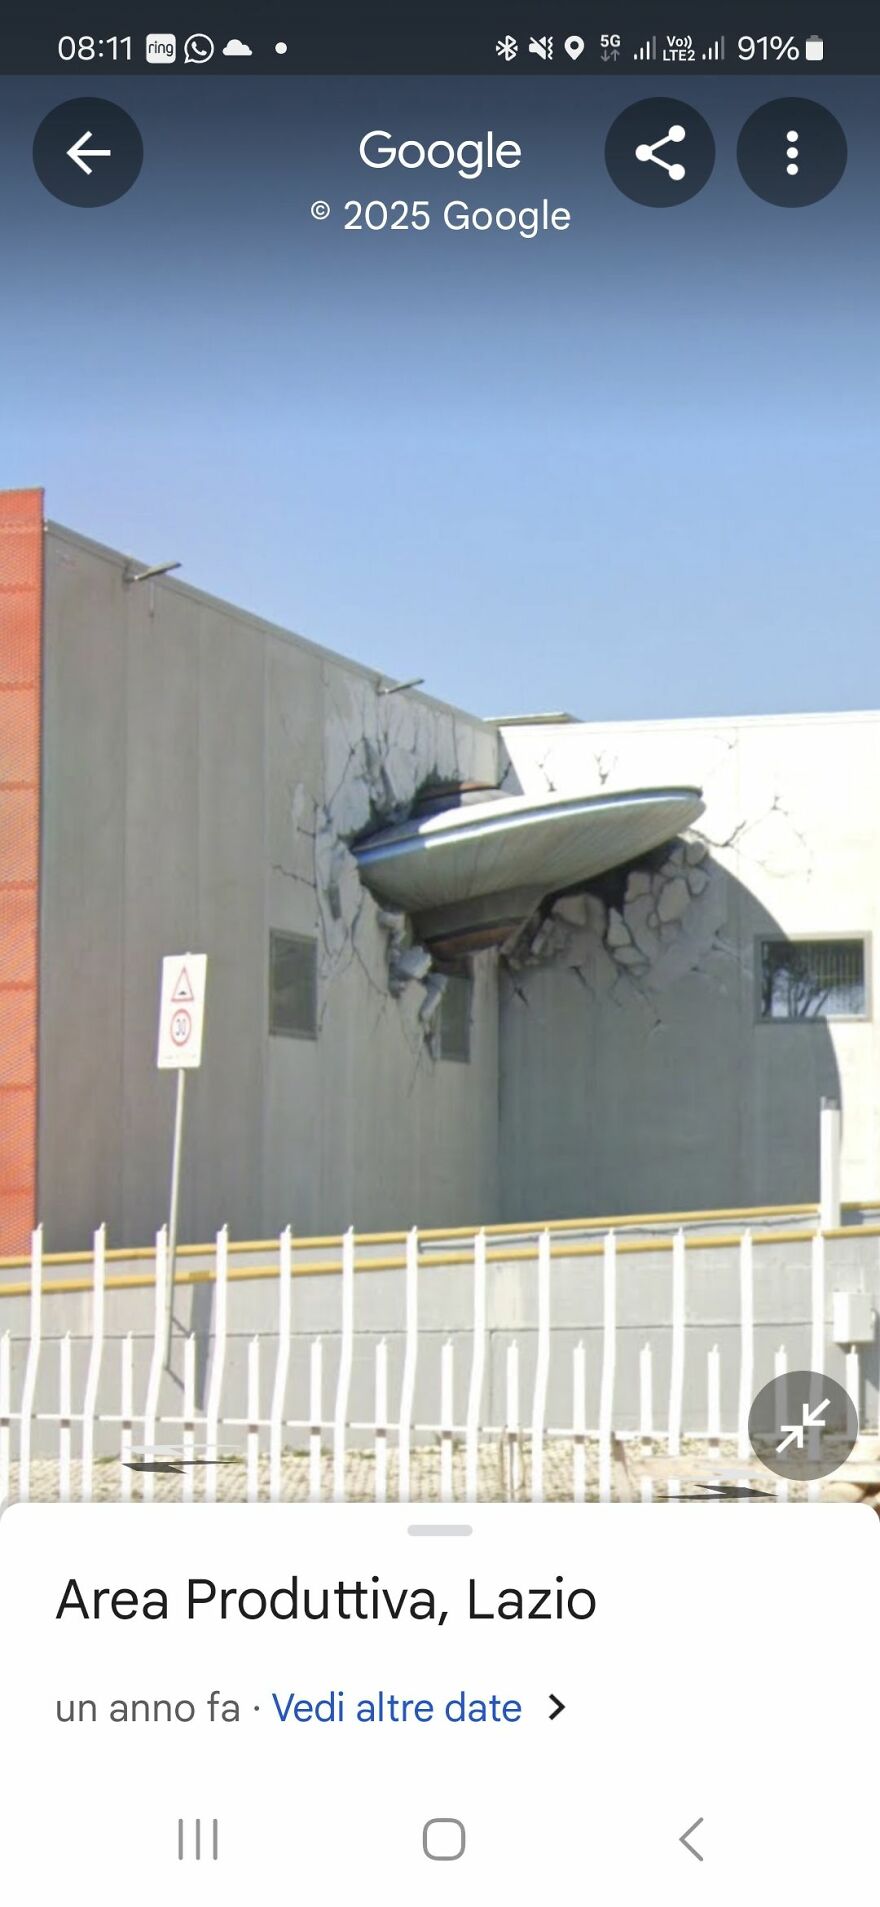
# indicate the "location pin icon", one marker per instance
pixel 574 46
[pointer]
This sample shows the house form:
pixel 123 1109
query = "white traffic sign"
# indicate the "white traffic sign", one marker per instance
pixel 182 1010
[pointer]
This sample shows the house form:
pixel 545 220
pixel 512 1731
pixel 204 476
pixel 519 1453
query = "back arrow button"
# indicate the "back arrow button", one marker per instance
pixel 81 152
pixel 87 151
pixel 685 1842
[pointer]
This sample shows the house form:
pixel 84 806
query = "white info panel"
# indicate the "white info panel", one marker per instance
pixel 689 1715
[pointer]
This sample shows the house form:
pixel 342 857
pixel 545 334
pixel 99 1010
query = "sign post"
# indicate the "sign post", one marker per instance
pixel 181 1019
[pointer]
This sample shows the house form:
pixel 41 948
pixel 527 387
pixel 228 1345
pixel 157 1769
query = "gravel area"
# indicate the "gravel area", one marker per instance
pixel 504 1475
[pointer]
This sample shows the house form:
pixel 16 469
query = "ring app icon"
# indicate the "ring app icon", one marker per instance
pixel 660 152
pixel 161 49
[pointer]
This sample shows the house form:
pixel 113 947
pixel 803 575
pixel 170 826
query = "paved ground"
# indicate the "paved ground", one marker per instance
pixel 504 1475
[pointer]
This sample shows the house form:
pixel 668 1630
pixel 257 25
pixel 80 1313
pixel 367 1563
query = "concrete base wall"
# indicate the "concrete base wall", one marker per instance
pixel 782 1314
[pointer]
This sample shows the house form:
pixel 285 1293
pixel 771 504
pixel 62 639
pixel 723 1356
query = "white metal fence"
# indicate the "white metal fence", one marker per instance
pixel 522 1455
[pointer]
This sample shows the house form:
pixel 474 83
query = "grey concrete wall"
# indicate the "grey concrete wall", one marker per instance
pixel 616 1098
pixel 202 774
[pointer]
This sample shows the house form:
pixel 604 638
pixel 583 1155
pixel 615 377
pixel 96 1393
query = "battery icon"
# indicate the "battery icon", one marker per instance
pixel 815 47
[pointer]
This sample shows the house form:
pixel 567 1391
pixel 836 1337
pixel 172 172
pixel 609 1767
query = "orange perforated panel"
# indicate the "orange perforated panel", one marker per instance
pixel 21 618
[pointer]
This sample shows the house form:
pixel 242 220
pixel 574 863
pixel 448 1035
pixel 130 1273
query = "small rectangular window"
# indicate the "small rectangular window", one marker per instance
pixel 455 1017
pixel 293 986
pixel 813 980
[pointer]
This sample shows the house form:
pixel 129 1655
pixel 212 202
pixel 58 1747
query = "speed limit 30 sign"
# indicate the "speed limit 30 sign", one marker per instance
pixel 182 1010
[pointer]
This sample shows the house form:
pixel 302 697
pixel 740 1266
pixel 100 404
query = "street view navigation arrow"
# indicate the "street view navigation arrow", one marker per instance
pixel 82 152
pixel 558 1708
pixel 685 1842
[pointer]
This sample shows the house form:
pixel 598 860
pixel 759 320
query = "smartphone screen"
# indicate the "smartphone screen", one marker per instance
pixel 439 1121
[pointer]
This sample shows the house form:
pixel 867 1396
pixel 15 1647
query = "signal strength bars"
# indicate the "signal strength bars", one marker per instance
pixel 716 50
pixel 648 51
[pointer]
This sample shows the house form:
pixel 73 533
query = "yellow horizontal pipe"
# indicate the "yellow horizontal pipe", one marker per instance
pixel 120 1254
pixel 615 1223
pixel 627 1247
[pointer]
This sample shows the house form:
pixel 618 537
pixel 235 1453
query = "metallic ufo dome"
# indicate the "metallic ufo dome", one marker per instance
pixel 472 870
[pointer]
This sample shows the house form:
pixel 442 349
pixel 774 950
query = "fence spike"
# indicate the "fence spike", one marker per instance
pixel 478 1365
pixel 64 1407
pixel 646 1393
pixel 189 1411
pixel 408 1386
pixel 218 1363
pixel 579 1422
pixel 381 1421
pixel 609 1363
pixel 31 1367
pixel 346 1352
pixel 126 1410
pixel 542 1368
pixel 679 1319
pixel 96 1353
pixel 746 1342
pixel 316 1416
pixel 253 1417
pixel 282 1362
pixel 154 1378
pixel 447 1405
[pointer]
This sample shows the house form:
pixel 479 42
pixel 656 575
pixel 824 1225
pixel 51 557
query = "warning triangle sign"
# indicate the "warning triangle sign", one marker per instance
pixel 182 988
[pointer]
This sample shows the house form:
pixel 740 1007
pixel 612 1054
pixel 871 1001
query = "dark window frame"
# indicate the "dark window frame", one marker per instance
pixel 463 1056
pixel 862 941
pixel 280 937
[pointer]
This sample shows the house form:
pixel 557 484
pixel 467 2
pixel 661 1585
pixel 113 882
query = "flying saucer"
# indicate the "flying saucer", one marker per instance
pixel 470 866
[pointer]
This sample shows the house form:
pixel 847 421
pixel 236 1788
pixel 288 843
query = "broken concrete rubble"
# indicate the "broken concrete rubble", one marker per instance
pixel 573 909
pixel 631 957
pixel 638 883
pixel 380 752
pixel 666 924
pixel 617 933
pixel 674 899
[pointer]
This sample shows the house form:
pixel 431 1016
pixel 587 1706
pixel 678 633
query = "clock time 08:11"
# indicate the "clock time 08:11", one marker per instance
pixel 86 47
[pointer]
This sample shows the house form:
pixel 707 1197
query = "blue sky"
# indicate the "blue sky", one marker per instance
pixel 630 470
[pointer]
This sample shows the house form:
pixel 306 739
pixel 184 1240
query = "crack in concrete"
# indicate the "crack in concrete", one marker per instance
pixel 290 875
pixel 602 770
pixel 379 752
pixel 764 860
pixel 669 911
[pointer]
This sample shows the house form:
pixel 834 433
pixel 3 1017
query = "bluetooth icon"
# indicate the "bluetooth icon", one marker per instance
pixel 507 48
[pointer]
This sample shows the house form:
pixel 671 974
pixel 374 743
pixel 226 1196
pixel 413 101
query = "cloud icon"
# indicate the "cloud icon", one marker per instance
pixel 237 49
